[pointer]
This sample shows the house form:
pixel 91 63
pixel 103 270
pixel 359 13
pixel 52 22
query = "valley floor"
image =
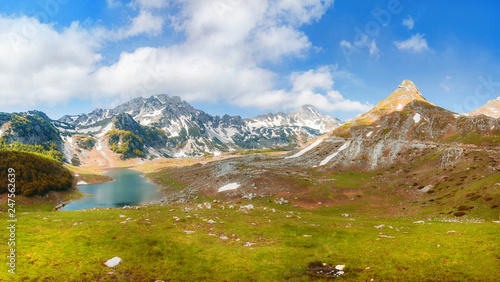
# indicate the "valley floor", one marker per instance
pixel 227 242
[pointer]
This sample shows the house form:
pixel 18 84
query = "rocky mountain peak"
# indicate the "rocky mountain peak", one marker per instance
pixel 408 85
pixel 309 109
pixel 404 95
pixel 491 109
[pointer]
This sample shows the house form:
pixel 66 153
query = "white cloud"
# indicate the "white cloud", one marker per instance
pixel 312 79
pixel 146 23
pixel 269 43
pixel 314 87
pixel 39 64
pixel 417 43
pixel 227 42
pixel 346 44
pixel 409 22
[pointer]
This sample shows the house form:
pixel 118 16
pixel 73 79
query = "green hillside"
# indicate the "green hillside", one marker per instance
pixel 35 174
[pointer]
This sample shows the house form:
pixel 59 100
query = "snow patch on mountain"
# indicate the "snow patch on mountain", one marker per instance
pixel 230 186
pixel 305 150
pixel 329 158
pixel 417 118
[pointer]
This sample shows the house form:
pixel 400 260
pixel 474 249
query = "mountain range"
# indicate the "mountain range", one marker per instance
pixel 162 126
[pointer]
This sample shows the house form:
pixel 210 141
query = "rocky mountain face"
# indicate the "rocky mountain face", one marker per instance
pixel 404 150
pixel 491 109
pixel 191 132
pixel 33 127
pixel 162 126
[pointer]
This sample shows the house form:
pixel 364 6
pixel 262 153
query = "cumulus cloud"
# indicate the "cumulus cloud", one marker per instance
pixel 314 87
pixel 145 23
pixel 409 22
pixel 226 44
pixel 40 64
pixel 417 44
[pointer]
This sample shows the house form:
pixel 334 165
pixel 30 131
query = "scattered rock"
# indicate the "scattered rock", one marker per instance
pixel 419 222
pixel 451 231
pixel 223 237
pixel 345 215
pixel 281 201
pixel 426 188
pixel 248 207
pixel 126 207
pixel 188 232
pixel 380 226
pixel 122 216
pixel 340 267
pixel 211 221
pixel 248 244
pixel 308 236
pixel 113 262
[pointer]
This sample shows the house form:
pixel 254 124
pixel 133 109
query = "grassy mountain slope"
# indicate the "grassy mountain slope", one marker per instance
pixel 34 174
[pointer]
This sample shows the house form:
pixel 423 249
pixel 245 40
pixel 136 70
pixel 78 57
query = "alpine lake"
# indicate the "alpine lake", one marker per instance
pixel 128 188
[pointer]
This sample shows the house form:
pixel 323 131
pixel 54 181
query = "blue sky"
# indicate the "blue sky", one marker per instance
pixel 246 57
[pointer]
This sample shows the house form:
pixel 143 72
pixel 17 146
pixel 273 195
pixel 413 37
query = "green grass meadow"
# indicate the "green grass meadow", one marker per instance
pixel 153 244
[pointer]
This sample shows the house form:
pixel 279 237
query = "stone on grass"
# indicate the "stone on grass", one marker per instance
pixel 380 226
pixel 211 221
pixel 248 207
pixel 113 262
pixel 419 222
pixel 281 201
pixel 340 267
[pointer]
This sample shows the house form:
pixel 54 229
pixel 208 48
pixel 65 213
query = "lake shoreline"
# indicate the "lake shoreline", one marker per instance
pixel 124 191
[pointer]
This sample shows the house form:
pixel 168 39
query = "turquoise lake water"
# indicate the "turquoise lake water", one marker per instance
pixel 129 188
